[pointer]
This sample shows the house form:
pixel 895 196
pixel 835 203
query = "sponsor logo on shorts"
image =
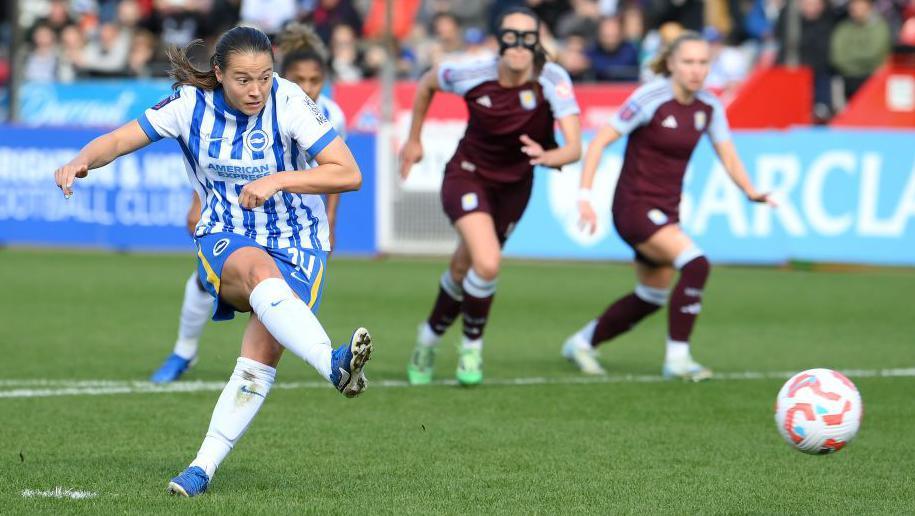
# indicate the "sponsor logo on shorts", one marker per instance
pixel 468 166
pixel 220 246
pixel 469 201
pixel 528 99
pixel 657 216
pixel 700 120
pixel 257 140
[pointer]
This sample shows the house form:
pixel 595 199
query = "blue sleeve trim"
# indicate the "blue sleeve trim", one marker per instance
pixel 150 131
pixel 322 142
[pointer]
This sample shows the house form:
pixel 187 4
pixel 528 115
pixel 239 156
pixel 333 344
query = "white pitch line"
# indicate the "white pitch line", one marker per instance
pixel 58 492
pixel 45 388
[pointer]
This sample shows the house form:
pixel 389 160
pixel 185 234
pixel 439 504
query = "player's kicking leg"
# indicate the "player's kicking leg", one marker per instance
pixel 251 281
pixel 196 309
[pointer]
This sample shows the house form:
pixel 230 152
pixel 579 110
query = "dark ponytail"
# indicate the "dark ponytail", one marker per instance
pixel 298 43
pixel 234 41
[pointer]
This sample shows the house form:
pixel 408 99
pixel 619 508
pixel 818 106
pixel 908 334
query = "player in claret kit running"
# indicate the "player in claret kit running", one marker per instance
pixel 514 101
pixel 304 62
pixel 664 120
pixel 247 136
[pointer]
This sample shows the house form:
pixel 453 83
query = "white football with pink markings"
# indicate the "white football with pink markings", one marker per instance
pixel 818 411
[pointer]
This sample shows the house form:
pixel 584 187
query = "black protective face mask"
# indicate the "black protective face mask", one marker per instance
pixel 510 38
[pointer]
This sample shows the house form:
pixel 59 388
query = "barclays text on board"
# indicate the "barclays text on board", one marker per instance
pixel 844 196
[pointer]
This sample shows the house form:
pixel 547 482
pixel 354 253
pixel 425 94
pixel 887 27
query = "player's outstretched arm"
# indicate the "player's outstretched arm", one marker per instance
pixel 603 138
pixel 412 151
pixel 570 152
pixel 100 152
pixel 337 172
pixel 732 163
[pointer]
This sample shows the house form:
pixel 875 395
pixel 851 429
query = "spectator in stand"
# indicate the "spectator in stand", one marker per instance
pixel 329 14
pixel 72 53
pixel 106 54
pixel 729 65
pixel 613 58
pixel 470 13
pixel 549 11
pixel 477 45
pixel 58 17
pixel 583 18
pixel 690 14
pixel 268 15
pixel 42 63
pixel 573 57
pixel 633 24
pixel 141 60
pixel 345 58
pixel 817 23
pixel 859 45
pixel 448 42
pixel 175 23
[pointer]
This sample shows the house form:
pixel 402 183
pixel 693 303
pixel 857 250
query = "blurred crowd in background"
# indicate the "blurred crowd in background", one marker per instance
pixel 843 41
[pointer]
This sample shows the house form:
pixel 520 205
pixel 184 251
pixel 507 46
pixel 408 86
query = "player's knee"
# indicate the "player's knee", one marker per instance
pixel 259 272
pixel 487 268
pixel 693 259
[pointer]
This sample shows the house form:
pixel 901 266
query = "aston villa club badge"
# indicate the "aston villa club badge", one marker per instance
pixel 700 119
pixel 528 100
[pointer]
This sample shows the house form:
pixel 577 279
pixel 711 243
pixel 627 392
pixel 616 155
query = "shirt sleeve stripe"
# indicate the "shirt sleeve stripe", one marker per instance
pixel 147 127
pixel 322 142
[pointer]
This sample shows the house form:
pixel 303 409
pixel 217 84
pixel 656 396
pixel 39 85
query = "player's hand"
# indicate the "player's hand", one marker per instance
pixel 410 154
pixel 533 150
pixel 762 198
pixel 65 175
pixel 257 192
pixel 587 217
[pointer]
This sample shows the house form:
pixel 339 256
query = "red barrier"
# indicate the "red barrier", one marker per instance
pixel 887 99
pixel 773 98
pixel 361 103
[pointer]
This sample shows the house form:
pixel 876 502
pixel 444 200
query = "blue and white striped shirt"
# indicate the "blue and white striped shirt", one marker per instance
pixel 225 149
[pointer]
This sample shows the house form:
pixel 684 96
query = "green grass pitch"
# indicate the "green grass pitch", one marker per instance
pixel 561 447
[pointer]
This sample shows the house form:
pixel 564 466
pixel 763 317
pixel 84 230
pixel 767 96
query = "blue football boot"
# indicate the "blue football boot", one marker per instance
pixel 347 361
pixel 191 482
pixel 172 369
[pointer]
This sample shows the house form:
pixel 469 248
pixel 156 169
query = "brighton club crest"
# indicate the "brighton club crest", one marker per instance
pixel 528 100
pixel 257 140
